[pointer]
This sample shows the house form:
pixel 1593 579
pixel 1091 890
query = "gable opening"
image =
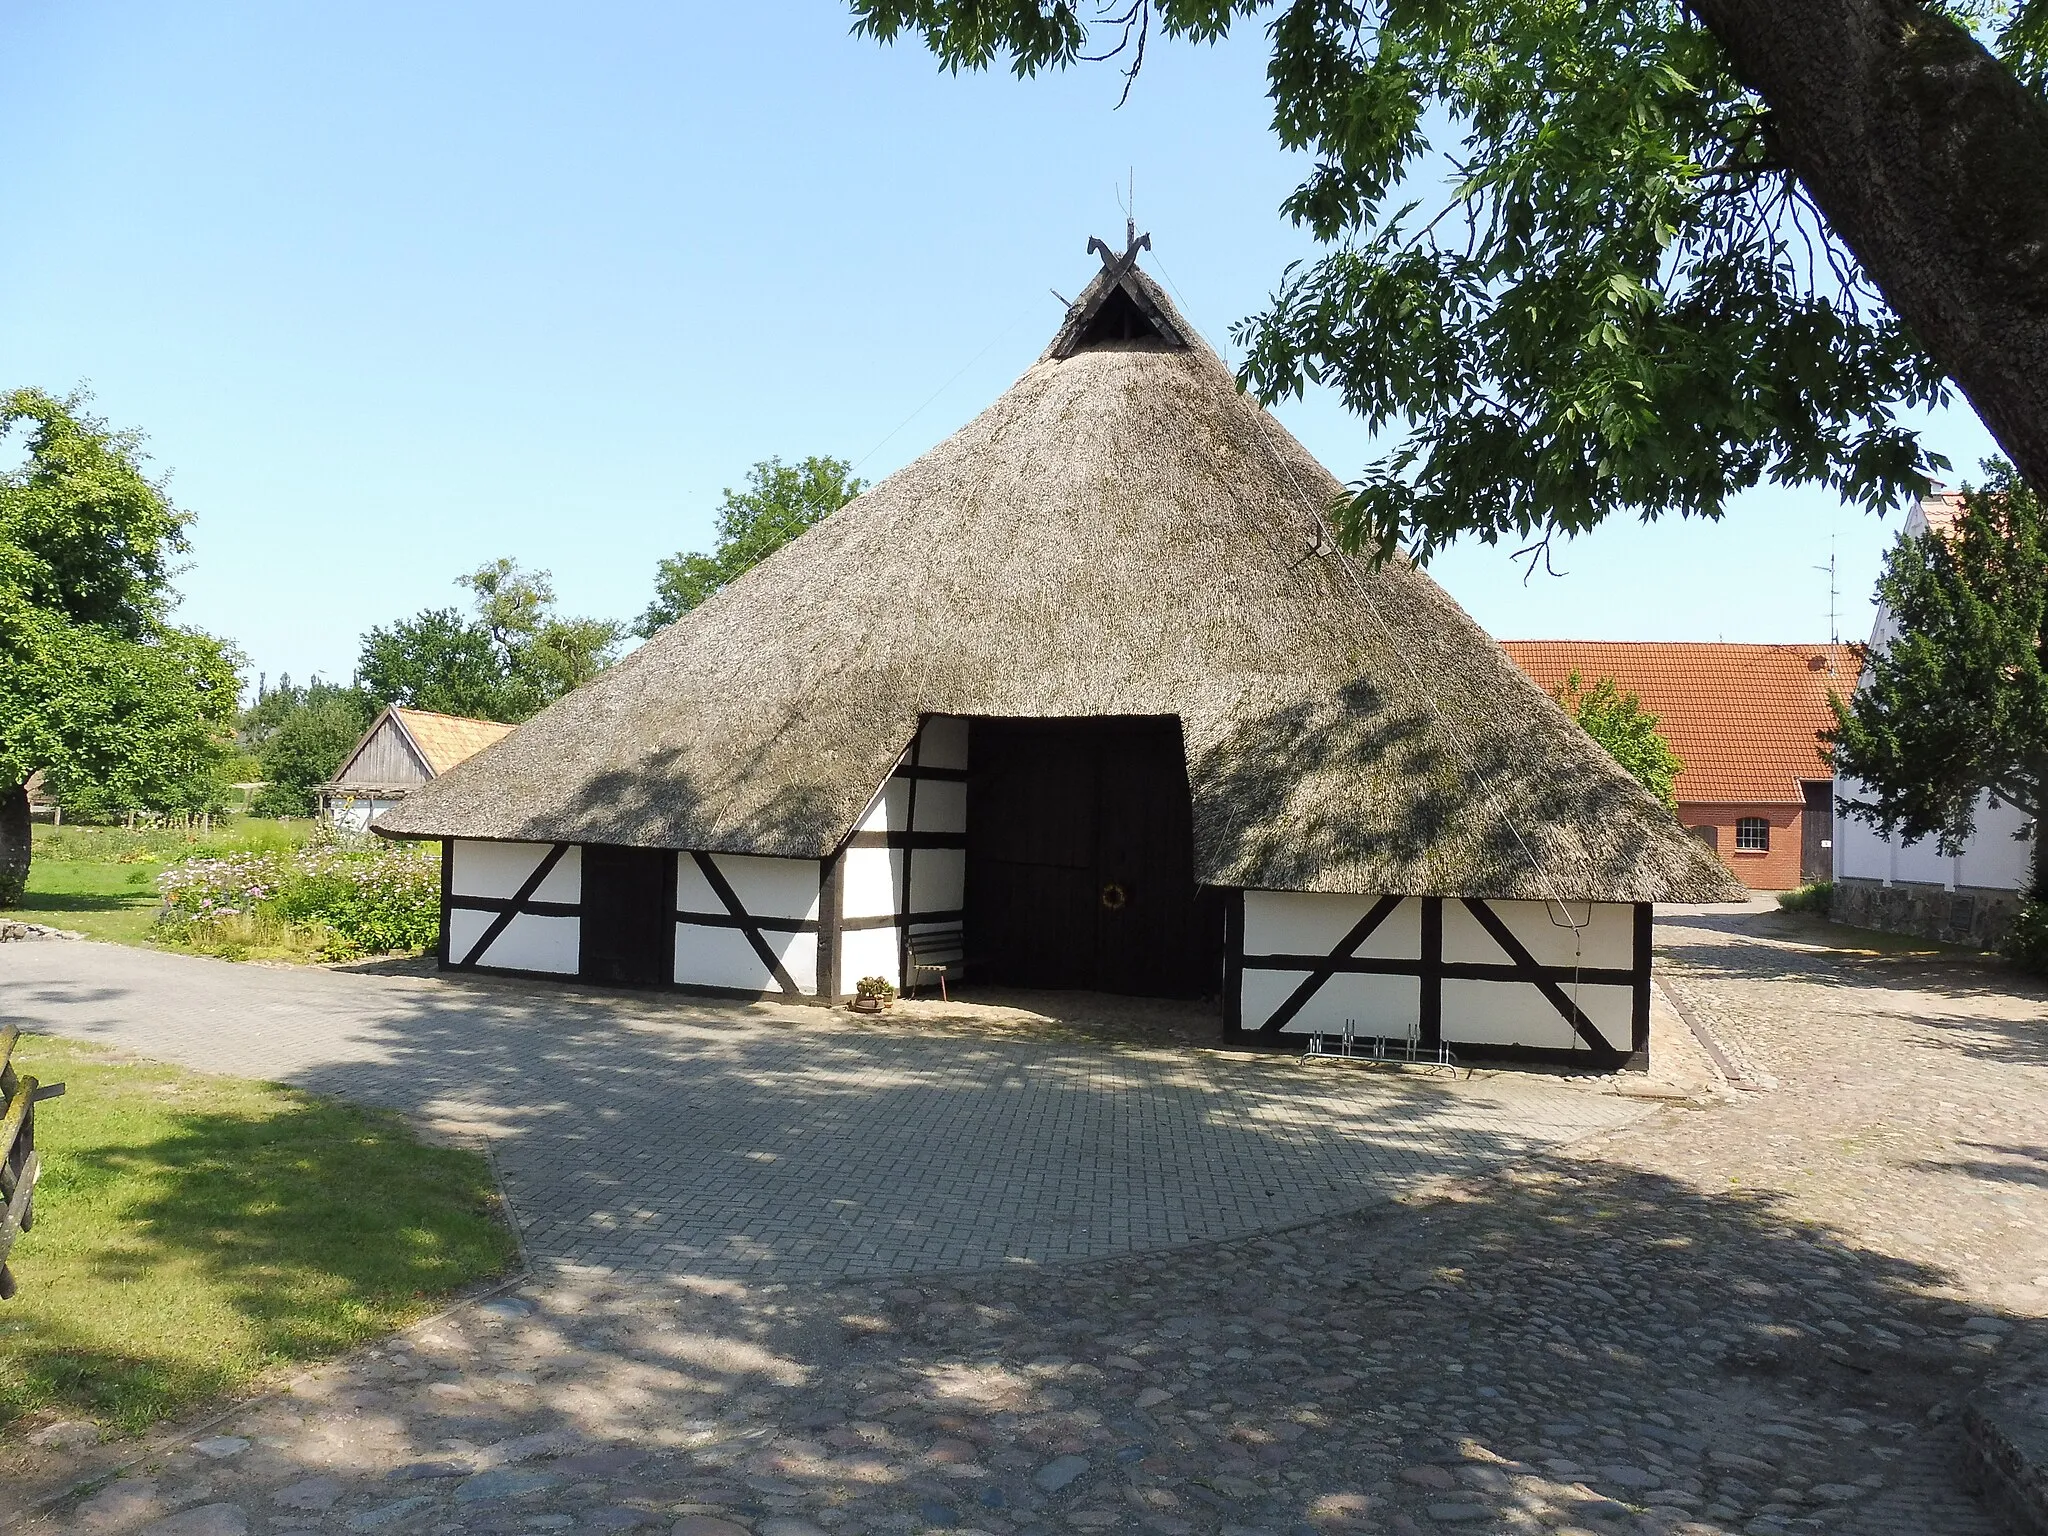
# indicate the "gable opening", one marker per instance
pixel 1118 318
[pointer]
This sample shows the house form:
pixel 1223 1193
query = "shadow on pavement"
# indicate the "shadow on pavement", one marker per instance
pixel 1560 1342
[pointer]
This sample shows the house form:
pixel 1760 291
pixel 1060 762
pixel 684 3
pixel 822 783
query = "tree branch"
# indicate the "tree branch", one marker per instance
pixel 1930 159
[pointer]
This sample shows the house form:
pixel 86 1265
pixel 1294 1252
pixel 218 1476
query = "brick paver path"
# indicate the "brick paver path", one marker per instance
pixel 1752 1317
pixel 650 1135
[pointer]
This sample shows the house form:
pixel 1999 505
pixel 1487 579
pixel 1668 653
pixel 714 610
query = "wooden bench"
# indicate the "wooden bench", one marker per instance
pixel 935 950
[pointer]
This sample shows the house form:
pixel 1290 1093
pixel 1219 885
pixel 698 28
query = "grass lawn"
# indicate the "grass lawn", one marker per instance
pixel 194 1232
pixel 101 881
pixel 109 901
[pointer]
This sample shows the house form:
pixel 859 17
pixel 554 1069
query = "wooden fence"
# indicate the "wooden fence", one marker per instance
pixel 19 1166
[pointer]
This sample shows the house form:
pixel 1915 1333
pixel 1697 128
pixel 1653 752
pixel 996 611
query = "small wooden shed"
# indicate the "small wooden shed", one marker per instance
pixel 1091 683
pixel 402 749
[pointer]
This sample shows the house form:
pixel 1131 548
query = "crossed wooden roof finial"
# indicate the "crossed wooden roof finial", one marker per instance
pixel 1116 266
pixel 1119 275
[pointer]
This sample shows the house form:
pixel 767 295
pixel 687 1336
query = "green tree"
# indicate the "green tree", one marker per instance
pixel 543 654
pixel 780 501
pixel 516 656
pixel 1629 732
pixel 122 725
pixel 1598 256
pixel 1956 705
pixel 119 707
pixel 436 660
pixel 301 736
pixel 273 706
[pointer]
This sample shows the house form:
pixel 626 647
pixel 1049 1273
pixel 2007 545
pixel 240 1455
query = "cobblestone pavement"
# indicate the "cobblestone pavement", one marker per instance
pixel 651 1135
pixel 1749 1317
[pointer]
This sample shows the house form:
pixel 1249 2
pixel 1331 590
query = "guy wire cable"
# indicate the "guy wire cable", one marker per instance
pixel 1002 335
pixel 1316 524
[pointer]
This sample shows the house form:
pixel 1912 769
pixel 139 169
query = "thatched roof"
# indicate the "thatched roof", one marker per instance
pixel 1121 533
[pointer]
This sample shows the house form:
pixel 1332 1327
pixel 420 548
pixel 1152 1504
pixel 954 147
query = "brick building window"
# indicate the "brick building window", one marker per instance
pixel 1752 835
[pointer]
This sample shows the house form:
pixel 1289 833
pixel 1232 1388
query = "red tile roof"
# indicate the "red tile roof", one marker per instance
pixel 1743 718
pixel 1940 509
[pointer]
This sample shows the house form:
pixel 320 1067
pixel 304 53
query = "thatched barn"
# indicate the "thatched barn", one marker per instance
pixel 1085 697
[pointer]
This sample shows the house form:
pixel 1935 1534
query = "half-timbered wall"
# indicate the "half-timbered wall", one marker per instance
pixel 747 924
pixel 1544 980
pixel 904 869
pixel 511 906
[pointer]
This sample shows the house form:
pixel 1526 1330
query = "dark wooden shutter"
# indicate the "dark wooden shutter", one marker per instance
pixel 628 916
pixel 1816 832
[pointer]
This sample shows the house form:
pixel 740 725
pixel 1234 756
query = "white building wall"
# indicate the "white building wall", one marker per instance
pixel 496 872
pixel 1297 928
pixel 1994 858
pixel 345 813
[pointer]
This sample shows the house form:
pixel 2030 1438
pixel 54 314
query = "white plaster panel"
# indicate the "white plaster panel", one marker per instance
pixel 771 887
pixel 889 811
pixel 1860 852
pixel 1381 1005
pixel 871 879
pixel 943 743
pixel 529 943
pixel 693 891
pixel 765 887
pixel 1546 929
pixel 798 953
pixel 867 952
pixel 938 880
pixel 1315 922
pixel 1995 857
pixel 499 869
pixel 941 805
pixel 1515 1013
pixel 1922 863
pixel 721 957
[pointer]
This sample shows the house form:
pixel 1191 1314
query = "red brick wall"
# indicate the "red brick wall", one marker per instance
pixel 1777 870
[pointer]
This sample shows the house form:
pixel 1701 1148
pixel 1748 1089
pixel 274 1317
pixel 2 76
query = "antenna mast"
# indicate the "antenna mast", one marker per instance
pixel 1834 602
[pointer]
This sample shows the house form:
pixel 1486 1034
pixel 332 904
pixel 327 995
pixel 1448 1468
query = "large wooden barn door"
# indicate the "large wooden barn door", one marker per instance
pixel 629 916
pixel 1080 858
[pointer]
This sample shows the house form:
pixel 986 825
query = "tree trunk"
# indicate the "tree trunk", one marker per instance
pixel 14 844
pixel 1930 161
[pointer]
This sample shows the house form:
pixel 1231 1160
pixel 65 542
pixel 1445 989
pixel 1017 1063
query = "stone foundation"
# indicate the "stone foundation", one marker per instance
pixel 1978 916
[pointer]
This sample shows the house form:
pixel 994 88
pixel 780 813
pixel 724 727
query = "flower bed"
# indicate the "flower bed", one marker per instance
pixel 328 900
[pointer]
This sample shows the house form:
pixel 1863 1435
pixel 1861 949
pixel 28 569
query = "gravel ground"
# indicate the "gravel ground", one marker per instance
pixel 1752 1312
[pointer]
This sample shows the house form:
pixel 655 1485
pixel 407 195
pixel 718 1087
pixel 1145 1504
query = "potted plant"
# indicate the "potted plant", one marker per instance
pixel 871 994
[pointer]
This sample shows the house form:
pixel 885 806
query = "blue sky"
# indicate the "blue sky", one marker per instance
pixel 395 289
